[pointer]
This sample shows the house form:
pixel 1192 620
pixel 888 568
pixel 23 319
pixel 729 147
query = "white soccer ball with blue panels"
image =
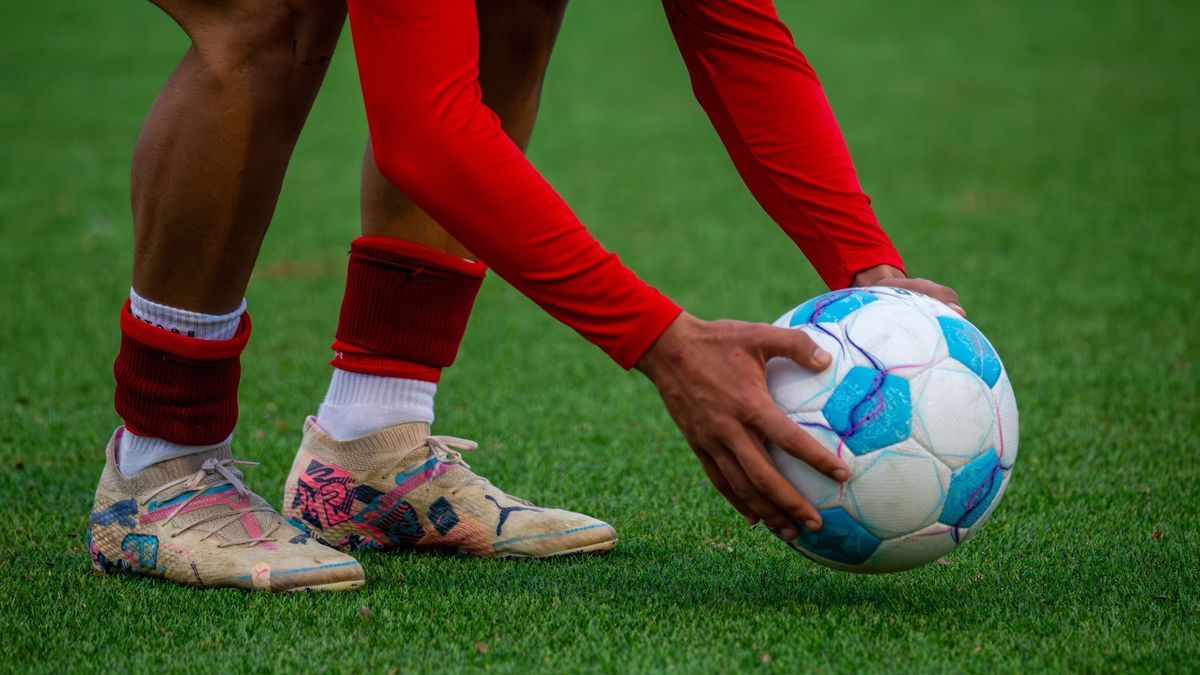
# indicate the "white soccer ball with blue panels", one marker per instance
pixel 918 404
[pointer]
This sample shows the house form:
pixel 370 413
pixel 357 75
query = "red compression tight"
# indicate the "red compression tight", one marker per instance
pixel 436 140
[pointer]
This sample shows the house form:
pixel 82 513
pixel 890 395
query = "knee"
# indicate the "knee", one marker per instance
pixel 281 41
pixel 516 38
pixel 532 28
pixel 743 17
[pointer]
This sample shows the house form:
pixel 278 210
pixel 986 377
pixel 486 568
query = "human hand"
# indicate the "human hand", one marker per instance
pixel 712 378
pixel 886 275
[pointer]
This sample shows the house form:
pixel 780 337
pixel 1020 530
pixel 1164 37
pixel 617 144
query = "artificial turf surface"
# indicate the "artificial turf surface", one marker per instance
pixel 1043 158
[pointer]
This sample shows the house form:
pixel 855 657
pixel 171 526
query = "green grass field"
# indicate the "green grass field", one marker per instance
pixel 1043 158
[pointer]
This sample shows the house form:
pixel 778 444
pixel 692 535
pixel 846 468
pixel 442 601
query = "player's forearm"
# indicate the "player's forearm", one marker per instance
pixel 435 139
pixel 769 108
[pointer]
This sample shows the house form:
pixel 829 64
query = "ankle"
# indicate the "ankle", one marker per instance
pixel 136 453
pixel 358 404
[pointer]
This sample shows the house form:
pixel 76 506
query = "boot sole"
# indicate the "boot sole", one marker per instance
pixel 599 548
pixel 102 567
pixel 335 587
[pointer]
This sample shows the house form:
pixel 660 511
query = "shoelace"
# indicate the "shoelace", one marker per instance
pixel 230 476
pixel 442 447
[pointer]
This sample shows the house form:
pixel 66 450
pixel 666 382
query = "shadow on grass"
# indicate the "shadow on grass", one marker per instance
pixel 661 576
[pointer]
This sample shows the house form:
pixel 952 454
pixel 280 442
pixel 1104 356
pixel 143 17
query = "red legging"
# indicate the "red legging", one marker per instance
pixel 436 140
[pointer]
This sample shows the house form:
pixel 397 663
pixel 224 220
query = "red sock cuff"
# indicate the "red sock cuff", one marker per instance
pixel 173 343
pixel 177 388
pixel 405 309
pixel 405 253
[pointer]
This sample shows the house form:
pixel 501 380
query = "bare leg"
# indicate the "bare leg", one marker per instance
pixel 516 38
pixel 206 174
pixel 213 150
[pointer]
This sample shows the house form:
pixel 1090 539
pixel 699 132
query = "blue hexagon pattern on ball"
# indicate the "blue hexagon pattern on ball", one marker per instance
pixel 841 539
pixel 923 481
pixel 972 489
pixel 968 346
pixel 870 409
pixel 831 307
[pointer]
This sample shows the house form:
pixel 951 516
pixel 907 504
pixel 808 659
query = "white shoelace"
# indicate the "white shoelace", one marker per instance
pixel 230 476
pixel 442 447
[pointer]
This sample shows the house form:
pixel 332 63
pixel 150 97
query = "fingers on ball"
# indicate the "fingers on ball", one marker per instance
pixel 766 480
pixel 778 427
pixel 793 344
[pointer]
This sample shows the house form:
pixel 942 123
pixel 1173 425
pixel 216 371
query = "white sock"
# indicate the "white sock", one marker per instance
pixel 185 322
pixel 358 405
pixel 138 452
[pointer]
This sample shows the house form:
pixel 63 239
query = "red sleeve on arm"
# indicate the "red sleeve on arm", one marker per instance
pixel 770 111
pixel 436 140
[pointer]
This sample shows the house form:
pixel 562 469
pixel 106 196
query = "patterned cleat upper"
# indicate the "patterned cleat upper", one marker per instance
pixel 403 489
pixel 191 520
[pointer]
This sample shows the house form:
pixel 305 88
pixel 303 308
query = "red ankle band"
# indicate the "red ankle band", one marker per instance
pixel 177 388
pixel 405 309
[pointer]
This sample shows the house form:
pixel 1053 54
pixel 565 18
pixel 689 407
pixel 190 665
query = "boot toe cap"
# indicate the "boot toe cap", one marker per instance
pixel 574 534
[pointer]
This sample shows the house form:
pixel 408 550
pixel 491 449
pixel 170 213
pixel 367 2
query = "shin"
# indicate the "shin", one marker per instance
pixel 206 174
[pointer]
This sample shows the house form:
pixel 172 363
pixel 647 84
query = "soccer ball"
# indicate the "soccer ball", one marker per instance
pixel 918 404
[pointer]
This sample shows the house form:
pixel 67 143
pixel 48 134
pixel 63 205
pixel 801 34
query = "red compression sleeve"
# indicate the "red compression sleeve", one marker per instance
pixel 768 107
pixel 436 140
pixel 405 309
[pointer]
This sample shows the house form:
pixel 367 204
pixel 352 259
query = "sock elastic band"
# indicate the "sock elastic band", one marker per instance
pixel 184 322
